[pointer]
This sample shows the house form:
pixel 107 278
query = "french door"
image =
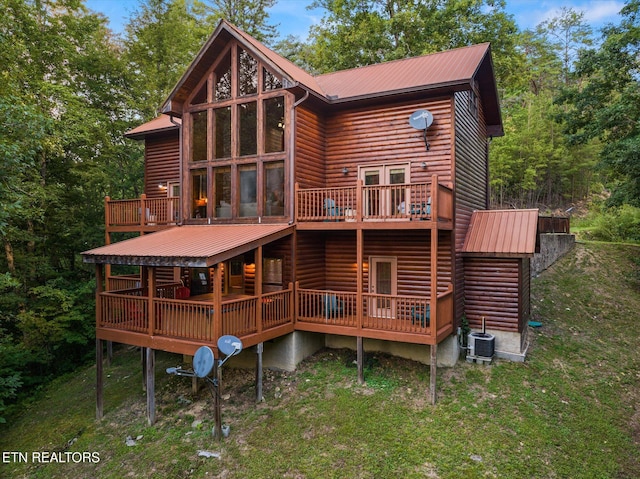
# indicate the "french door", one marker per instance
pixel 387 200
pixel 383 281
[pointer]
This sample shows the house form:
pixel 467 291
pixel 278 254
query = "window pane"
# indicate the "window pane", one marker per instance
pixel 199 194
pixel 223 132
pixel 223 78
pixel 274 125
pixel 270 81
pixel 201 96
pixel 396 176
pixel 274 188
pixel 223 192
pixel 248 191
pixel 247 74
pixel 248 128
pixel 199 136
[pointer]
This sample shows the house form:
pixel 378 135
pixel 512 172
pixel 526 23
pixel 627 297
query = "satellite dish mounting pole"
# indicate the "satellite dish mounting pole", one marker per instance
pixel 426 142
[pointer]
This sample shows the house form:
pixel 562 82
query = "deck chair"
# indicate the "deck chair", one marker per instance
pixel 421 315
pixel 330 208
pixel 333 307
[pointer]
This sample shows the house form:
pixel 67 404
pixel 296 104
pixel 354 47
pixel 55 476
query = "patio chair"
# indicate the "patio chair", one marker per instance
pixel 333 307
pixel 421 315
pixel 330 208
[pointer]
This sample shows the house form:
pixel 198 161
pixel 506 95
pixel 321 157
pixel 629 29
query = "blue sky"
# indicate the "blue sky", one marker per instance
pixel 294 18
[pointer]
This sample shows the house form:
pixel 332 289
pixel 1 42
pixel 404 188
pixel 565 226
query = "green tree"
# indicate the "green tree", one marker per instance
pixel 605 104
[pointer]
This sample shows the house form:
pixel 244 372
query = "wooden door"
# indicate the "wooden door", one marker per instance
pixel 388 200
pixel 383 281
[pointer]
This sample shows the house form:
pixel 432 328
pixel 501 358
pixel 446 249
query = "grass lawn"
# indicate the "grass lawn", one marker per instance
pixel 572 410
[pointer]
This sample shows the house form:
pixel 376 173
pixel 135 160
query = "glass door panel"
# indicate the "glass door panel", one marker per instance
pixel 383 282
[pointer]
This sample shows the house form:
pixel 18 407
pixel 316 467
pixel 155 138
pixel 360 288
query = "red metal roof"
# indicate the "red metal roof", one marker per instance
pixel 448 68
pixel 502 233
pixel 193 245
pixel 158 124
pixel 455 69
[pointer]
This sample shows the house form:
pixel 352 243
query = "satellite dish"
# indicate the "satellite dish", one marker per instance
pixel 203 361
pixel 229 345
pixel 421 119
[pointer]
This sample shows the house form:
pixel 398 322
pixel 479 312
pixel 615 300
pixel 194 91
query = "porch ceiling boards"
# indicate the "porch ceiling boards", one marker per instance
pixel 502 233
pixel 196 246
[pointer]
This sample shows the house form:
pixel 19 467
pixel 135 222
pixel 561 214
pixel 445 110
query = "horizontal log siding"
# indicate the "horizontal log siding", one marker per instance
pixel 492 291
pixel 281 249
pixel 162 163
pixel 412 250
pixel 310 259
pixel 309 149
pixel 383 135
pixel 470 181
pixel 525 296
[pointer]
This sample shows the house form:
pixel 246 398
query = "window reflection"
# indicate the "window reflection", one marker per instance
pixel 248 128
pixel 199 194
pixel 274 125
pixel 223 192
pixel 199 136
pixel 274 189
pixel 248 190
pixel 223 132
pixel 270 81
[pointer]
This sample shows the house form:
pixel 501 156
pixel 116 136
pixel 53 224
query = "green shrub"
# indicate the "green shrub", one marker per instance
pixel 617 224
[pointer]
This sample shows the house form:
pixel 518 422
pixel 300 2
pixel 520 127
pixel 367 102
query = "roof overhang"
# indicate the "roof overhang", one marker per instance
pixel 195 246
pixel 502 233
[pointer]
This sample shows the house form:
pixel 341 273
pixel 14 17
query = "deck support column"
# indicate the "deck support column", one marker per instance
pixel 151 383
pixel 99 383
pixel 432 374
pixel 217 412
pixel 143 362
pixel 109 352
pixel 259 350
pixel 360 359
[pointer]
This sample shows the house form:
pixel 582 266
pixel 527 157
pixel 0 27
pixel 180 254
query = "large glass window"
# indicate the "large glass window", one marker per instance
pixel 201 96
pixel 247 74
pixel 274 188
pixel 248 128
pixel 274 125
pixel 199 136
pixel 199 193
pixel 223 132
pixel 248 191
pixel 223 192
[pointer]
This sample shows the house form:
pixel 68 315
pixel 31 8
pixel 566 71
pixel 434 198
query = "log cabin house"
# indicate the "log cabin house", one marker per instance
pixel 298 211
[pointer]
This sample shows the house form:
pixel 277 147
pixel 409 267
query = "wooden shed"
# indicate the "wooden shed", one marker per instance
pixel 497 252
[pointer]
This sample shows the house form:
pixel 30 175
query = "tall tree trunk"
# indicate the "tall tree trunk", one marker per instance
pixel 8 251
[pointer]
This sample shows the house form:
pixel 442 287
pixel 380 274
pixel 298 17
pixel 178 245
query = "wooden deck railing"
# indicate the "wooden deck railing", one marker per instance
pixel 142 212
pixel 194 320
pixel 388 313
pixel 411 201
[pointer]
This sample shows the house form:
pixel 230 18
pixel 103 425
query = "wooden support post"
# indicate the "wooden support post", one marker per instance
pixel 109 353
pixel 217 412
pixel 259 350
pixel 99 385
pixel 151 291
pixel 360 359
pixel 217 303
pixel 359 274
pixel 258 288
pixel 151 383
pixel 143 362
pixel 432 375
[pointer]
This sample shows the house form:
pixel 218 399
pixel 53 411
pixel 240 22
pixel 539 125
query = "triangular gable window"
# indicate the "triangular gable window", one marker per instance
pixel 247 74
pixel 223 78
pixel 270 81
pixel 200 97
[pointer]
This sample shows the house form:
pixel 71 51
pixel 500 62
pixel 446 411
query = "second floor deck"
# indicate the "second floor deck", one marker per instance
pixel 411 205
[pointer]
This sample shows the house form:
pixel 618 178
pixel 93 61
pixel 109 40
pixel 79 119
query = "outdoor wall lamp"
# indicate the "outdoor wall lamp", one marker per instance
pixel 345 170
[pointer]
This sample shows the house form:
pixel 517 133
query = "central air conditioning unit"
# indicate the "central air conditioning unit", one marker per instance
pixel 481 345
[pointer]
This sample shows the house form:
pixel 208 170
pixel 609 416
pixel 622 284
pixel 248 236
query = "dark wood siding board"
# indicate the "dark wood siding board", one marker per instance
pixel 281 249
pixel 309 148
pixel 471 166
pixel 310 260
pixel 162 163
pixel 492 291
pixel 366 136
